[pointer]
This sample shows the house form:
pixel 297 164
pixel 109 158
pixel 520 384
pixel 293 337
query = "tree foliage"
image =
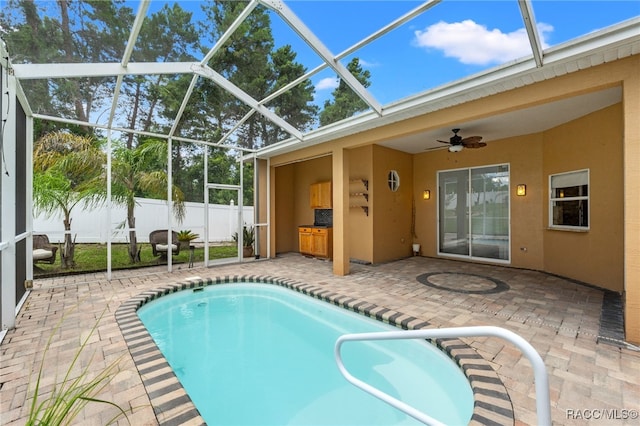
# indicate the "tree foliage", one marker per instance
pixel 346 102
pixel 67 172
pixel 83 31
pixel 295 105
pixel 135 172
pixel 95 32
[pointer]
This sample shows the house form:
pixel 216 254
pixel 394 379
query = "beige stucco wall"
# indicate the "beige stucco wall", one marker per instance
pixel 592 142
pixel 607 142
pixel 391 211
pixel 631 165
pixel 282 214
pixel 524 156
pixel 291 189
pixel 361 223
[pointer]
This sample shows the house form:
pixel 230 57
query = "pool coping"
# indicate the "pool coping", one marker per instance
pixel 172 405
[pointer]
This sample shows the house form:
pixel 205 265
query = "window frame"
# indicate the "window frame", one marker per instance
pixel 393 180
pixel 553 200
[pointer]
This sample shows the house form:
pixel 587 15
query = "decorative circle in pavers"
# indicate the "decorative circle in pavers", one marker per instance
pixel 463 283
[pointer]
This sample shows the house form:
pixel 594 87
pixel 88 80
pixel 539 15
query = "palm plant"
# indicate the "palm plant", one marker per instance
pixel 248 238
pixel 66 172
pixel 185 237
pixel 138 171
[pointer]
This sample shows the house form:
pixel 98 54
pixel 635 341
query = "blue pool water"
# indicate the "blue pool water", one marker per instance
pixel 259 354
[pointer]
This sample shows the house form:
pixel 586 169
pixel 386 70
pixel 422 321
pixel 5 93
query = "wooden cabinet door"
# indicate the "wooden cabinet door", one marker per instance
pixel 326 195
pixel 320 195
pixel 319 242
pixel 314 196
pixel 305 241
pixel 322 242
pixel 316 241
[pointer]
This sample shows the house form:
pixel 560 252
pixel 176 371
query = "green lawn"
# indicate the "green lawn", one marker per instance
pixel 93 257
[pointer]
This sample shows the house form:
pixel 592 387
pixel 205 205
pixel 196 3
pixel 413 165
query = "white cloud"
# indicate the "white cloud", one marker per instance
pixel 327 83
pixel 368 64
pixel 474 44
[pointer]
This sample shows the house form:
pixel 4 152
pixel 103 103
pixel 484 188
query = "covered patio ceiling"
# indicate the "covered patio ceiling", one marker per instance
pixel 542 61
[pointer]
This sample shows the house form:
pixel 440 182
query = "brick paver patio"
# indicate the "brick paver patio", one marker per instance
pixel 591 382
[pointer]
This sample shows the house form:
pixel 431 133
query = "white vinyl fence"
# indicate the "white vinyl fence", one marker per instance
pixel 92 226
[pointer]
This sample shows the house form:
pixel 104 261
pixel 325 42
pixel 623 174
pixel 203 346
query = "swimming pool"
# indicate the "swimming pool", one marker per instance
pixel 261 354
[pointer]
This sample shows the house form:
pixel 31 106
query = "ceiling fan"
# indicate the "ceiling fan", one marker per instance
pixel 457 143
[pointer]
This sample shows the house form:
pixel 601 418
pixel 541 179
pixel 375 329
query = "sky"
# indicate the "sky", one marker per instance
pixel 452 40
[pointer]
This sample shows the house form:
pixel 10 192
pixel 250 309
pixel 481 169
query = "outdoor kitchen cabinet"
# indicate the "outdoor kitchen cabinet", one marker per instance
pixel 316 241
pixel 305 241
pixel 320 195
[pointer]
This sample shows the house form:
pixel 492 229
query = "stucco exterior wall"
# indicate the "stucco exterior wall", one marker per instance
pixel 631 149
pixel 524 157
pixel 283 212
pixel 292 198
pixel 361 223
pixel 592 142
pixel 391 211
pixel 606 142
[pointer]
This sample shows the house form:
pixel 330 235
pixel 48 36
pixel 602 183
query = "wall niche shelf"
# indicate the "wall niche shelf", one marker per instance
pixel 359 195
pixel 364 182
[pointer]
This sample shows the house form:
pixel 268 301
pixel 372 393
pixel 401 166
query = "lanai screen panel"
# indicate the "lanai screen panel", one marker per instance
pixel 21 199
pixel 404 47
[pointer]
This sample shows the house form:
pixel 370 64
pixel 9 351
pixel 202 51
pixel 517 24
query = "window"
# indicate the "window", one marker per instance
pixel 569 200
pixel 393 180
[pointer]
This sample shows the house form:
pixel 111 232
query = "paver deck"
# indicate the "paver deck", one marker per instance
pixel 592 380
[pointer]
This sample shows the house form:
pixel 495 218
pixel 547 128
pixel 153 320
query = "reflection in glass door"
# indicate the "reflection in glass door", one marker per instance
pixel 453 190
pixel 473 211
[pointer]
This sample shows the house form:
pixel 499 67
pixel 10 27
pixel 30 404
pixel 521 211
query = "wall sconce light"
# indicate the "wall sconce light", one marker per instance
pixel 521 190
pixel 426 194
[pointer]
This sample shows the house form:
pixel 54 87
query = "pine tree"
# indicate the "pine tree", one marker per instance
pixel 346 102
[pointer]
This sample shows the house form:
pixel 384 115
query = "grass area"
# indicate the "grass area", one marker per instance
pixel 93 257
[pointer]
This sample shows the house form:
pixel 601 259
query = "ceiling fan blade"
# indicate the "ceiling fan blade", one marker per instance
pixel 447 142
pixel 475 145
pixel 471 140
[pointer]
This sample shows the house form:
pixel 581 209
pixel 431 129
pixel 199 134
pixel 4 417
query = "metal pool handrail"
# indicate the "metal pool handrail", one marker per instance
pixel 543 405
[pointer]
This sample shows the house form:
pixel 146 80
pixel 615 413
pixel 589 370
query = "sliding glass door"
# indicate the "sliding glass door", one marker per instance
pixel 473 212
pixel 453 200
